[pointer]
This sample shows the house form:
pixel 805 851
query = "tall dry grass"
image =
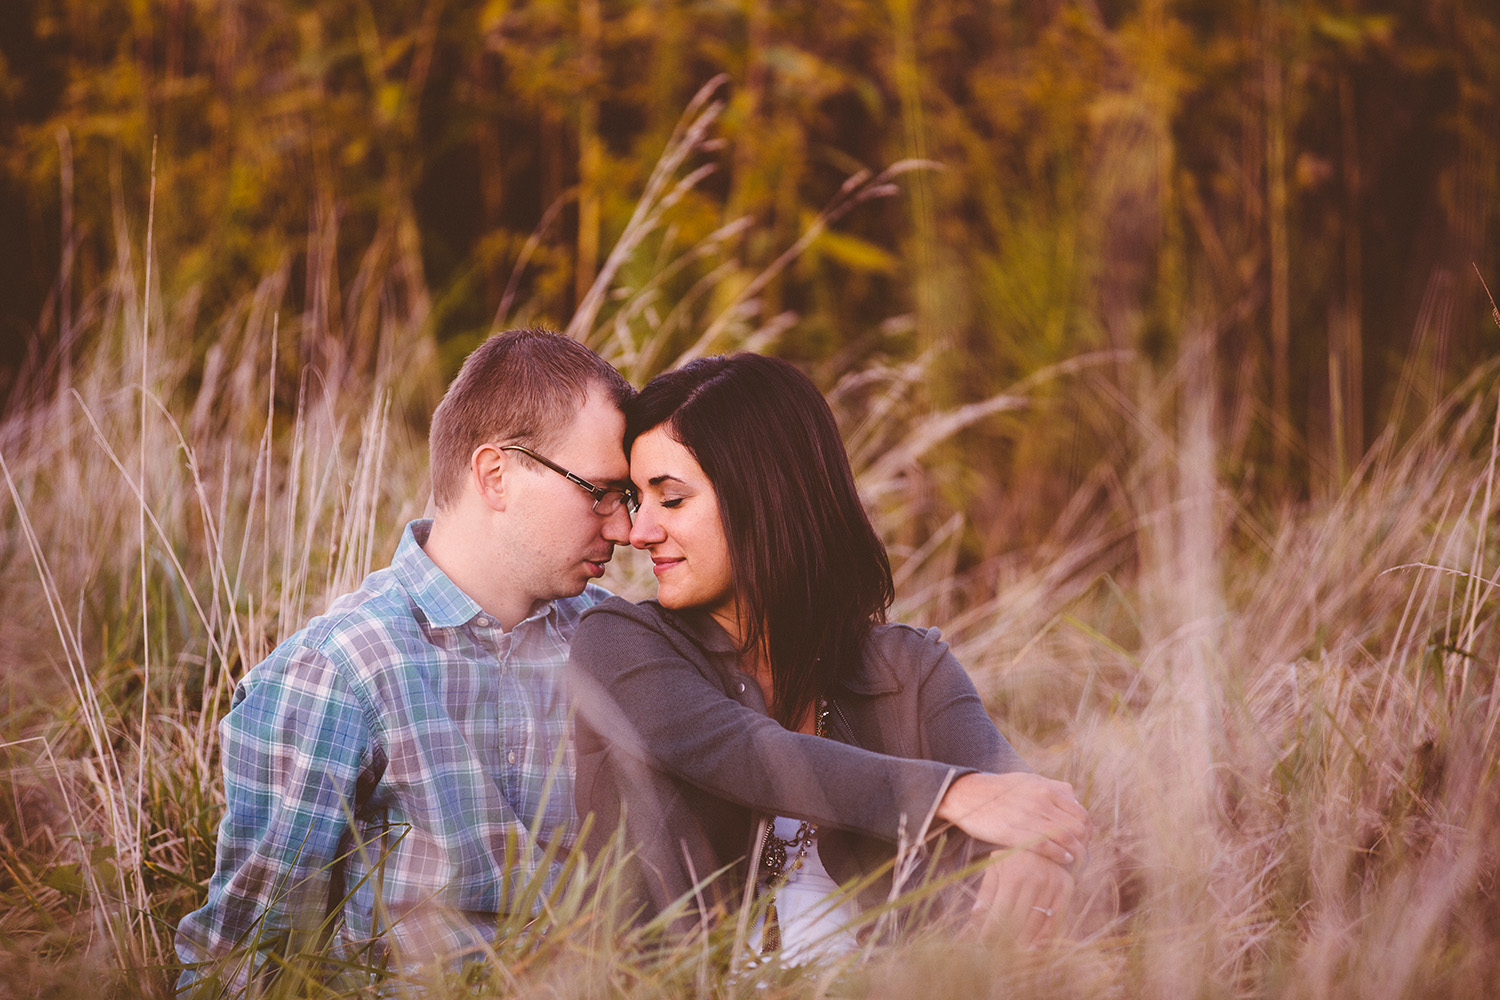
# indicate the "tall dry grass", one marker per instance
pixel 1282 718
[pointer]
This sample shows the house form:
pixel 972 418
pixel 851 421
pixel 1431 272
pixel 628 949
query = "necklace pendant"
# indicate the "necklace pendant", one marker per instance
pixel 775 858
pixel 770 930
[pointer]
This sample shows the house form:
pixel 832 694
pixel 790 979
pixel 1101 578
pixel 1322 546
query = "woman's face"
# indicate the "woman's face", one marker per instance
pixel 678 523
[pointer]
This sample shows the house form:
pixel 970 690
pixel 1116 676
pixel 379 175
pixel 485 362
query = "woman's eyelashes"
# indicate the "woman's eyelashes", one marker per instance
pixel 665 501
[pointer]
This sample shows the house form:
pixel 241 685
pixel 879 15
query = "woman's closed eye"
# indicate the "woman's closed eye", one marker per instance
pixel 672 503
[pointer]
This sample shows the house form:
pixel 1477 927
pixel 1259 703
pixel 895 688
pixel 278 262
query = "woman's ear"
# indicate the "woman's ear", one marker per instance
pixel 487 468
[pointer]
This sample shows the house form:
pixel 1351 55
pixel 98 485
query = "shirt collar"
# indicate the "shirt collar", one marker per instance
pixel 438 597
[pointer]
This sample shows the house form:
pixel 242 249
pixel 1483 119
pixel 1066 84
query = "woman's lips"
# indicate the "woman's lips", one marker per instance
pixel 660 565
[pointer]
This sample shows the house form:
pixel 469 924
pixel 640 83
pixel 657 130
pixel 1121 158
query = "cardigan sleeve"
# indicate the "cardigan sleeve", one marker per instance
pixel 656 699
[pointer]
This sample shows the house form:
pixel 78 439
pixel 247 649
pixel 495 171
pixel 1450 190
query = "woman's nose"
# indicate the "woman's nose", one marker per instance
pixel 645 530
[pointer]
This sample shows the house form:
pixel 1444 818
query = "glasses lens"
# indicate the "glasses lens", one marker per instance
pixel 611 501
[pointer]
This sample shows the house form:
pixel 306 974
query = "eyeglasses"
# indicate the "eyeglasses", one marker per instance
pixel 607 499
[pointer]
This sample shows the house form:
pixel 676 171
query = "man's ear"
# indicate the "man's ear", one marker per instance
pixel 487 468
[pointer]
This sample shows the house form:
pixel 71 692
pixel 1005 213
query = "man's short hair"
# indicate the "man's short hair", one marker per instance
pixel 519 386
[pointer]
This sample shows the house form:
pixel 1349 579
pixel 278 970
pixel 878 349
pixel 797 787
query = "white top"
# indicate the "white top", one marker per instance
pixel 814 924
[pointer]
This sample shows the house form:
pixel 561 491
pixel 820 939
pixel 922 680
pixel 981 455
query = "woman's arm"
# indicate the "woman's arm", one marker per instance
pixel 999 801
pixel 649 692
pixel 642 687
pixel 1023 893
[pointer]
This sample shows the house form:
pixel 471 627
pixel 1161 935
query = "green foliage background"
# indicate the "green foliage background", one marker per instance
pixel 1309 183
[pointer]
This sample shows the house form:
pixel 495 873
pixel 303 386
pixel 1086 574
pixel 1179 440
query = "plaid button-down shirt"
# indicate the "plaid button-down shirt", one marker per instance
pixel 445 738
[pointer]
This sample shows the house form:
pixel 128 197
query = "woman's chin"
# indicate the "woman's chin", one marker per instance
pixel 672 601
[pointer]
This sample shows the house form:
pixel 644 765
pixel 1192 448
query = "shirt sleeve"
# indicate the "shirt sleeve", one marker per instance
pixel 642 691
pixel 293 746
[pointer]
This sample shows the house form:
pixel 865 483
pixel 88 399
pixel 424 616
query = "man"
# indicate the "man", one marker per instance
pixel 384 766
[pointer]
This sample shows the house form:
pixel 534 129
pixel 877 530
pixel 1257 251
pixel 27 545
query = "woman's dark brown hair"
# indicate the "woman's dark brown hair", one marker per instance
pixel 810 574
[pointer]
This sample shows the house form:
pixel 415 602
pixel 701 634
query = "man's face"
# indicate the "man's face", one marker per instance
pixel 560 542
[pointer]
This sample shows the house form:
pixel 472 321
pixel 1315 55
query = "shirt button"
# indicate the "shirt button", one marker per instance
pixel 742 687
pixel 482 622
pixel 510 758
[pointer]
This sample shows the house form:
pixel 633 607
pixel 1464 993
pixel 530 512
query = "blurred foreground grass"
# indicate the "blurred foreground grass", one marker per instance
pixel 1283 719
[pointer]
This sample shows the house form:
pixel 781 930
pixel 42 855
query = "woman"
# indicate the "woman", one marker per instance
pixel 758 725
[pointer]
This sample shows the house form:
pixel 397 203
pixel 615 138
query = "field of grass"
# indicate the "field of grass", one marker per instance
pixel 1283 717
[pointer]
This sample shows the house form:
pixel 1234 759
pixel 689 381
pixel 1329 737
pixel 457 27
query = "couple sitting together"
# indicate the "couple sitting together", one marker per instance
pixel 399 773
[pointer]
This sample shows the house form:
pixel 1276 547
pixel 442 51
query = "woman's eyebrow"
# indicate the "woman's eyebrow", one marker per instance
pixel 664 477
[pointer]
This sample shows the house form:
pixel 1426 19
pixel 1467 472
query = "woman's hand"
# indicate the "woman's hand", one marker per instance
pixel 1023 896
pixel 1019 810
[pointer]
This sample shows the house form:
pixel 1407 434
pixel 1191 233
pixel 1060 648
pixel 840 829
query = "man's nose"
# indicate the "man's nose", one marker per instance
pixel 617 526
